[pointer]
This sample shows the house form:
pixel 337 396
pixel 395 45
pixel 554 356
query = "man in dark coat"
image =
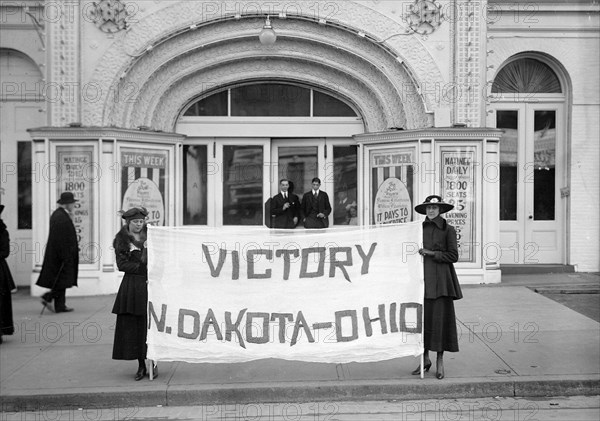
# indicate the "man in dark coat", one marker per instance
pixel 316 206
pixel 285 207
pixel 61 261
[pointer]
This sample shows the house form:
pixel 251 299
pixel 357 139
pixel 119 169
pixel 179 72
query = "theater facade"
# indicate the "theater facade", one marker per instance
pixel 196 109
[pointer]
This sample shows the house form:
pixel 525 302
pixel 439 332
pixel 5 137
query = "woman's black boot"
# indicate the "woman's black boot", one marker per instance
pixel 141 373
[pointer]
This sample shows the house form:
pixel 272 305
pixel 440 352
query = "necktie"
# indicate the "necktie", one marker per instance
pixel 285 195
pixel 315 195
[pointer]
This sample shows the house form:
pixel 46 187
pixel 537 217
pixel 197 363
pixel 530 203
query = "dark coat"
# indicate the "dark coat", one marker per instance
pixel 61 260
pixel 311 207
pixel 6 284
pixel 284 218
pixel 439 273
pixel 131 257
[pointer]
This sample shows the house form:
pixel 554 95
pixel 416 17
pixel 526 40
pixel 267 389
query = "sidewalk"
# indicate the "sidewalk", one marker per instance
pixel 513 342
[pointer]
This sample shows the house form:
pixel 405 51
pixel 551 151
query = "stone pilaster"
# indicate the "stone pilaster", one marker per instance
pixel 63 90
pixel 469 60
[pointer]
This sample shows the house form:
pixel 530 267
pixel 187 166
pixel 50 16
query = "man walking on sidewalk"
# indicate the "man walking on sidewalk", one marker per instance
pixel 61 261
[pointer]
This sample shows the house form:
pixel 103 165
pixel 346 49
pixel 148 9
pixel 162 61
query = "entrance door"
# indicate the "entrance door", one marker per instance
pixel 242 183
pixel 298 160
pixel 532 159
pixel 334 161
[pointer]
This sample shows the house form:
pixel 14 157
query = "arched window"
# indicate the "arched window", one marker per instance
pixel 269 100
pixel 21 77
pixel 526 75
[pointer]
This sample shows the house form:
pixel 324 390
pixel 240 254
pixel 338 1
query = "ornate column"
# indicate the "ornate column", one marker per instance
pixel 63 90
pixel 469 29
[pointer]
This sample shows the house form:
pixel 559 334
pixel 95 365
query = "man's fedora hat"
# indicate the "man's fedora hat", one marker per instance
pixel 66 198
pixel 433 200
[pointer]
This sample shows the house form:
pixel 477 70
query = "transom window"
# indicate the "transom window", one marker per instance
pixel 526 75
pixel 269 100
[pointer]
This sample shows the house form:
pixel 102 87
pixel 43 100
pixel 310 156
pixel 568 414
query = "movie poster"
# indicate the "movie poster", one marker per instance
pixel 458 189
pixel 392 190
pixel 76 174
pixel 144 182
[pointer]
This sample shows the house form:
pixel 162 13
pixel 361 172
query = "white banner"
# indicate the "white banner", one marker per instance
pixel 241 294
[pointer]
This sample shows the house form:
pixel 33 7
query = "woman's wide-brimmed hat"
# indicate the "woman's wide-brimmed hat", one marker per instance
pixel 433 200
pixel 135 213
pixel 66 198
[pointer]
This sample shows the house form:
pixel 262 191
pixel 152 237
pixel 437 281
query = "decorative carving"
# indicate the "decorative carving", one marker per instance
pixel 63 71
pixel 177 61
pixel 424 16
pixel 109 15
pixel 193 53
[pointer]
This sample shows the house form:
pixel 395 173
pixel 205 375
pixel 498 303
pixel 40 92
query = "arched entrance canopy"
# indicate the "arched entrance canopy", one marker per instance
pixel 155 70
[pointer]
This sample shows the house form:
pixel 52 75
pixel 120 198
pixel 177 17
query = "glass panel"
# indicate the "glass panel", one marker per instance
pixel 243 185
pixel 508 121
pixel 299 165
pixel 270 100
pixel 345 164
pixel 214 105
pixel 544 155
pixel 327 106
pixel 24 185
pixel 526 75
pixel 194 184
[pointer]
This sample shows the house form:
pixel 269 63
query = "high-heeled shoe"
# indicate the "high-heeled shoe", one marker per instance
pixel 439 372
pixel 141 373
pixel 426 368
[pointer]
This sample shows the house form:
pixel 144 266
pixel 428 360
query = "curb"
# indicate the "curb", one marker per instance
pixel 549 290
pixel 297 392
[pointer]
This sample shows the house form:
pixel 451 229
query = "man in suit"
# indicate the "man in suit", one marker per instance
pixel 316 206
pixel 61 261
pixel 285 207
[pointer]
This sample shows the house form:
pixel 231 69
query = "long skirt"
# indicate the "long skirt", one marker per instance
pixel 130 337
pixel 6 316
pixel 439 331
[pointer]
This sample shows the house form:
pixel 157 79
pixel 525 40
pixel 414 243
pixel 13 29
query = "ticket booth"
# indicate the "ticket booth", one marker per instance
pixel 401 168
pixel 108 170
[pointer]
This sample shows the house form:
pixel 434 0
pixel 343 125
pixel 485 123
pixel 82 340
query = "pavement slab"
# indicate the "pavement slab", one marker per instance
pixel 513 342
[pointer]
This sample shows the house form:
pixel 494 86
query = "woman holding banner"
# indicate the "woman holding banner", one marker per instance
pixel 439 252
pixel 132 298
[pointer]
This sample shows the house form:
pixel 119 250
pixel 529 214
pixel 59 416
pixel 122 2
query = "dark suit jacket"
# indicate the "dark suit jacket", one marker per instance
pixel 61 260
pixel 284 218
pixel 311 207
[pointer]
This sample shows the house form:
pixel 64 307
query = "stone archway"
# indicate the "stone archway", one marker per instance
pixel 156 78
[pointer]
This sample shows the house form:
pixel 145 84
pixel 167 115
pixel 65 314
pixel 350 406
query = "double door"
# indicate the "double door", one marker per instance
pixel 531 176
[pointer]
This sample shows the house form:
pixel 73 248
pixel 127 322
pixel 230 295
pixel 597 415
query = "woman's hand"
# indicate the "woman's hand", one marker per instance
pixel 426 252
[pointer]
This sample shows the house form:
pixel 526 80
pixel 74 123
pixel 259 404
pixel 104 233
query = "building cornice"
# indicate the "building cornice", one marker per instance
pixel 94 133
pixel 437 133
